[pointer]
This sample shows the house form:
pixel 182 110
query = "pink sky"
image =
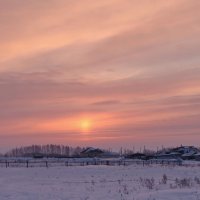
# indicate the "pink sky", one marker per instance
pixel 106 73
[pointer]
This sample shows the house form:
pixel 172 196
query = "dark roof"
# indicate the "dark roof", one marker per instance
pixel 92 150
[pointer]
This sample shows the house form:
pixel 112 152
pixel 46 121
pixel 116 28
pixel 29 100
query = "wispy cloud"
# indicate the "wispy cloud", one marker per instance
pixel 132 67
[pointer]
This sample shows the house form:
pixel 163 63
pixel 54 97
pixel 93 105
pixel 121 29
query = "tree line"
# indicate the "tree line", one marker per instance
pixel 45 150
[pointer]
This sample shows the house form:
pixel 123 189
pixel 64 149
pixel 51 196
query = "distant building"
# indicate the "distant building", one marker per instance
pixel 140 156
pixel 186 149
pixel 168 155
pixel 91 152
pixel 183 152
pixel 96 152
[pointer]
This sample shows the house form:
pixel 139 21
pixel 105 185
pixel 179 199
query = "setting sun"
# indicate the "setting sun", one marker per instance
pixel 85 125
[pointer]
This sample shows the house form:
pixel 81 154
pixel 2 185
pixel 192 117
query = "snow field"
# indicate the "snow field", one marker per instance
pixel 133 182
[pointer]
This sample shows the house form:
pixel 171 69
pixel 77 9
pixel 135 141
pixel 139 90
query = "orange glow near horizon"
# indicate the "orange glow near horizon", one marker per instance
pixel 80 123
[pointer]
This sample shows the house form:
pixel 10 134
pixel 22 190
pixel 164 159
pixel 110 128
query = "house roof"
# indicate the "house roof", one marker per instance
pixel 92 150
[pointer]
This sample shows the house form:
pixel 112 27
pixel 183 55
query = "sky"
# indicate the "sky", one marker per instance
pixel 109 73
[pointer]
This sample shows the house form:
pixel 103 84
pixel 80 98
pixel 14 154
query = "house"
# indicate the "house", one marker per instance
pixel 183 152
pixel 168 155
pixel 140 156
pixel 96 152
pixel 91 152
pixel 186 149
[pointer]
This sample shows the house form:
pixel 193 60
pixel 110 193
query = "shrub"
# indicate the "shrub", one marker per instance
pixel 149 183
pixel 164 179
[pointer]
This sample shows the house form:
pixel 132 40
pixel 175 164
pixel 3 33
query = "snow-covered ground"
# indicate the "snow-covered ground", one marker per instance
pixel 135 182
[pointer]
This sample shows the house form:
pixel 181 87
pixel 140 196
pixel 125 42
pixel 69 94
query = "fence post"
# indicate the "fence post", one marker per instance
pixel 27 163
pixel 46 164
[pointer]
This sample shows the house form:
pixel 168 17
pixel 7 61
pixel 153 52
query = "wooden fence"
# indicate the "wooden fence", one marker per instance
pixel 68 163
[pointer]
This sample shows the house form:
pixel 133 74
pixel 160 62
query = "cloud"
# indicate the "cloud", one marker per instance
pixel 106 103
